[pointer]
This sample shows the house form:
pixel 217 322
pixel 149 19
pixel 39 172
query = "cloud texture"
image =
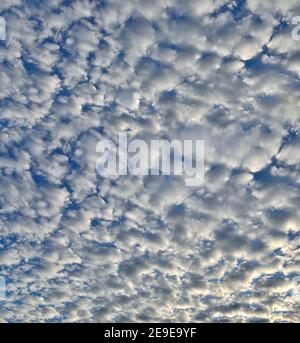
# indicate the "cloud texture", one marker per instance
pixel 78 247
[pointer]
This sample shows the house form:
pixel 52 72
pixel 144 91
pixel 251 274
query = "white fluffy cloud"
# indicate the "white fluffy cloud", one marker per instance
pixel 77 247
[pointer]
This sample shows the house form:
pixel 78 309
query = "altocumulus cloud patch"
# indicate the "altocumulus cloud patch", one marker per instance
pixel 75 246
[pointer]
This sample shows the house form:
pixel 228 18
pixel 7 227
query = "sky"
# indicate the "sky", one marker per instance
pixel 78 247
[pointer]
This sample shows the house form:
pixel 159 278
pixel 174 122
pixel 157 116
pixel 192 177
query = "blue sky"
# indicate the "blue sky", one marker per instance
pixel 76 247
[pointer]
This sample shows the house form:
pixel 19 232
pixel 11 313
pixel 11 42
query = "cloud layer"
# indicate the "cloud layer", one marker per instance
pixel 78 247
